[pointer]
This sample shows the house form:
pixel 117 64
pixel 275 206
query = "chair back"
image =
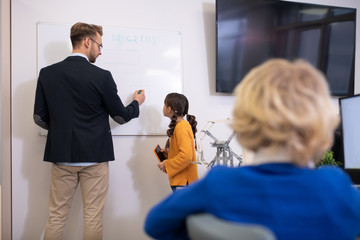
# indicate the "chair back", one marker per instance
pixel 206 226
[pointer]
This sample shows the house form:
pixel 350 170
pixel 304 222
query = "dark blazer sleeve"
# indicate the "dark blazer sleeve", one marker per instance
pixel 41 114
pixel 114 105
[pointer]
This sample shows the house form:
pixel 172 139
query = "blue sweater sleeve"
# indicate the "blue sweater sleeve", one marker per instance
pixel 167 220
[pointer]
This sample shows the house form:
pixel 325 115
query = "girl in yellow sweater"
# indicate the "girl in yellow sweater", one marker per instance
pixel 180 164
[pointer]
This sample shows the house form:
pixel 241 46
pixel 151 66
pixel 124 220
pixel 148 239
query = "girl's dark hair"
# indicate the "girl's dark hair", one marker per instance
pixel 180 105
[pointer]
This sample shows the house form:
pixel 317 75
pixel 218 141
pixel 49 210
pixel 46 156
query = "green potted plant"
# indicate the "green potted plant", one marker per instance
pixel 328 160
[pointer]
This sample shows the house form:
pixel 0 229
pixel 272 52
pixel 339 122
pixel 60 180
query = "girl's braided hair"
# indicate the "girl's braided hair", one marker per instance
pixel 180 105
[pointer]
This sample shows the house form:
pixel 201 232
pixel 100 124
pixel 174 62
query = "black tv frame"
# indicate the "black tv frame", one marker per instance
pixel 230 82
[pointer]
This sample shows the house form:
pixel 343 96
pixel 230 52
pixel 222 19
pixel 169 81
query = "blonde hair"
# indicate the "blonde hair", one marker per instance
pixel 80 30
pixel 282 104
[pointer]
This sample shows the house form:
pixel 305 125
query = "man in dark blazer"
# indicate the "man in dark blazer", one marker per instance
pixel 73 101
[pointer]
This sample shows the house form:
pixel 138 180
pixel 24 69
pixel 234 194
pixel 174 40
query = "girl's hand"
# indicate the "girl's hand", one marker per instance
pixel 161 166
pixel 165 152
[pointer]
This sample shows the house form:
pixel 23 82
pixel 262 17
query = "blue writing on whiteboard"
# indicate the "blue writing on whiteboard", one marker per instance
pixel 127 39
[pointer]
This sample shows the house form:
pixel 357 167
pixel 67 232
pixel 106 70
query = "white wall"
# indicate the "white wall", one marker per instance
pixel 135 182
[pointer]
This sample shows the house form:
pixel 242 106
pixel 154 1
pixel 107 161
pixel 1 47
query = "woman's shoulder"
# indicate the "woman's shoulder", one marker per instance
pixel 333 171
pixel 220 170
pixel 333 174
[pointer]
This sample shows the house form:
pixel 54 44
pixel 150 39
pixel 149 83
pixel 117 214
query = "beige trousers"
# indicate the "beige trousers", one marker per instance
pixel 94 184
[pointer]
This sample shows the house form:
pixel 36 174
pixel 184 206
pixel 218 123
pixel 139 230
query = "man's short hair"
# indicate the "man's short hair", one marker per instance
pixel 80 31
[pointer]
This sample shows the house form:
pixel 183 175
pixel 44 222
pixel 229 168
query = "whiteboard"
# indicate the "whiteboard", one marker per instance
pixel 137 59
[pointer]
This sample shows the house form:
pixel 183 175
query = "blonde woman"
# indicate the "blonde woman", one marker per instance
pixel 284 115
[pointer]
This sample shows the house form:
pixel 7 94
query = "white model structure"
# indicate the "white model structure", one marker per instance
pixel 224 155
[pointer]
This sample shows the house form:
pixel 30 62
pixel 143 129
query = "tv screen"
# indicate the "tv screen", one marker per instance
pixel 250 32
pixel 350 126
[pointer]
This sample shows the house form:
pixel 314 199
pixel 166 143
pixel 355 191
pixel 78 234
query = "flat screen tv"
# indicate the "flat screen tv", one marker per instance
pixel 250 32
pixel 350 133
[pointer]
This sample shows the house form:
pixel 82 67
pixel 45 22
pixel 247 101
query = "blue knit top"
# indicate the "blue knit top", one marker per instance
pixel 295 203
